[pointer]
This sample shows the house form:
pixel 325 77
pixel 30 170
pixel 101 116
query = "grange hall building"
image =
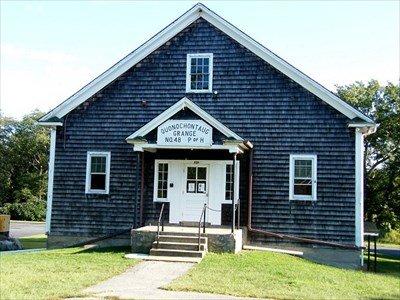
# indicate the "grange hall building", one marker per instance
pixel 204 123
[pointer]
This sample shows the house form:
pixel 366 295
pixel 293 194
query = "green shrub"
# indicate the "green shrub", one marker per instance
pixel 33 210
pixel 391 237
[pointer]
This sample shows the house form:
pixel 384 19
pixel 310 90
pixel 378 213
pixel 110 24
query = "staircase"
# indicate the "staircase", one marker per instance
pixel 179 245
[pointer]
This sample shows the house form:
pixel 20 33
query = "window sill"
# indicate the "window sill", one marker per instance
pixel 305 200
pixel 161 200
pixel 198 91
pixel 96 192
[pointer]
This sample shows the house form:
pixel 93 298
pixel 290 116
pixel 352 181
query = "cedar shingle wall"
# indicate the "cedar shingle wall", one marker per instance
pixel 256 101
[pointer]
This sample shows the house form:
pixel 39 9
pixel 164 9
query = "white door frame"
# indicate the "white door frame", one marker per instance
pixel 216 177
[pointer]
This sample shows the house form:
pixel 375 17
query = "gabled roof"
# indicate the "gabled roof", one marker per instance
pixel 196 12
pixel 174 109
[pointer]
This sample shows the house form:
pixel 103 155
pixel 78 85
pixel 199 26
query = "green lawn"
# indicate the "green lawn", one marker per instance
pixel 280 276
pixel 34 241
pixel 58 273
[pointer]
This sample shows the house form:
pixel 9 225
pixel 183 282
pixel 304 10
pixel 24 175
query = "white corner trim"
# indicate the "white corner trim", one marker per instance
pixel 50 179
pixel 196 12
pixel 189 57
pixel 359 187
pixel 292 159
pixel 172 110
pixel 90 154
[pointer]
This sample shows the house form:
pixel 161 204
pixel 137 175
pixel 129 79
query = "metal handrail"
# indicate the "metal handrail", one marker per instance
pixel 158 224
pixel 203 215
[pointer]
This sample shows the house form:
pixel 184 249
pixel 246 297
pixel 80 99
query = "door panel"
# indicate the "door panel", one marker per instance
pixel 195 192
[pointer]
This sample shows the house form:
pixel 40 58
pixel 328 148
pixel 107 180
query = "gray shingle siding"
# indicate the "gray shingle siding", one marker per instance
pixel 255 100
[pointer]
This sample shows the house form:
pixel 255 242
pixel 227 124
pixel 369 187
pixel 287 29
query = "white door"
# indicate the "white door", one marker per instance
pixel 195 191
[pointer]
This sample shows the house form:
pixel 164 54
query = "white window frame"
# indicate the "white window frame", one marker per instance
pixel 155 188
pixel 210 56
pixel 235 182
pixel 293 158
pixel 90 154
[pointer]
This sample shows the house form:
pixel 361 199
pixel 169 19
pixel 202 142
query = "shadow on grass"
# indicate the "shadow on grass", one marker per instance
pixel 121 249
pixel 386 265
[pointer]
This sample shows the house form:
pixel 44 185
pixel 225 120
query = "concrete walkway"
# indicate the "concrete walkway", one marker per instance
pixel 144 280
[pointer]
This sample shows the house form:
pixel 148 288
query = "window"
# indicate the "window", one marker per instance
pixel 98 172
pixel 196 180
pixel 229 183
pixel 303 177
pixel 161 169
pixel 199 73
pixel 162 181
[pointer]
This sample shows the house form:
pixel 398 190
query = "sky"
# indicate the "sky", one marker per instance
pixel 50 49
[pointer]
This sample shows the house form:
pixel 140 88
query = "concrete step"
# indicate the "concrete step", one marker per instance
pixel 182 239
pixel 193 224
pixel 179 246
pixel 174 252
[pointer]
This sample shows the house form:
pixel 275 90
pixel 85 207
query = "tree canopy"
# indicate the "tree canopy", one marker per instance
pixel 382 149
pixel 24 148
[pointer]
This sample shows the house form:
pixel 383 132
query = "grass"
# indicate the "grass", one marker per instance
pixel 386 265
pixel 34 241
pixel 392 237
pixel 280 276
pixel 58 274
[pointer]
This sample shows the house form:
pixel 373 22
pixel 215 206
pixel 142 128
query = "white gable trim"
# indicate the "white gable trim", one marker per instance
pixel 177 26
pixel 171 111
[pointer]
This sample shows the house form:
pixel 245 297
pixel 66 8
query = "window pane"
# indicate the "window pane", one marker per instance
pixel 191 173
pixel 98 182
pixel 98 164
pixel 229 182
pixel 191 186
pixel 199 73
pixel 201 173
pixel 303 190
pixel 303 168
pixel 201 187
pixel 162 184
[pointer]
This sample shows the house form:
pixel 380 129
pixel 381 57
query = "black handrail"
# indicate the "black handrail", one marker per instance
pixel 158 224
pixel 203 215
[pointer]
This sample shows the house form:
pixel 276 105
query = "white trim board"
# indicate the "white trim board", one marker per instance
pixel 196 12
pixel 50 179
pixel 172 110
pixel 359 187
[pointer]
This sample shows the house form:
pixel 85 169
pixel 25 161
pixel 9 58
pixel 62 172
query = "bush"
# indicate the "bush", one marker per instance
pixel 33 210
pixel 391 237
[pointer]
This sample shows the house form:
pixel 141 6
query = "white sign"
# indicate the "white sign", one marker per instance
pixel 184 133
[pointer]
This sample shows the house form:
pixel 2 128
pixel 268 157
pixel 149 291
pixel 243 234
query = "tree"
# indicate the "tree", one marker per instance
pixel 382 149
pixel 24 148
